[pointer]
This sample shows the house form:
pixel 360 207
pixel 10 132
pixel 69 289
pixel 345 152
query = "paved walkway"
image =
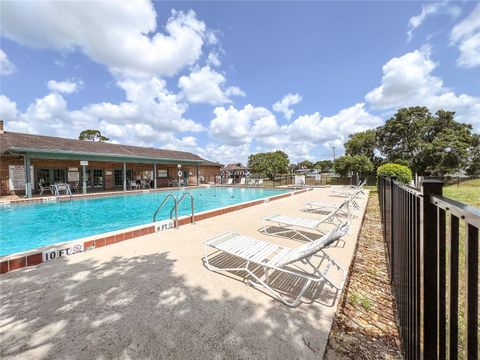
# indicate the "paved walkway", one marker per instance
pixel 151 297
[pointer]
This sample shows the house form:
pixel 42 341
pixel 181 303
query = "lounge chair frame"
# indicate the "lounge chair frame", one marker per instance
pixel 273 258
pixel 289 224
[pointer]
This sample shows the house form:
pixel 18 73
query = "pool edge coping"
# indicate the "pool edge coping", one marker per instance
pixel 34 257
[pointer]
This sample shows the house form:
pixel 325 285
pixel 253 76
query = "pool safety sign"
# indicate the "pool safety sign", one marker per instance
pixel 164 225
pixel 62 251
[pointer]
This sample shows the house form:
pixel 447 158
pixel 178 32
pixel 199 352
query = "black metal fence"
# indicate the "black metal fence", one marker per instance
pixel 424 234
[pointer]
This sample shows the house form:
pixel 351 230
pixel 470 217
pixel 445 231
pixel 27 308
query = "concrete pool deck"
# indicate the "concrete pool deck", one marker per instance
pixel 151 297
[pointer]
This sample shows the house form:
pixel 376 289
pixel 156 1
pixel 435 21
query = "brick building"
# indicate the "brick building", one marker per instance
pixel 29 162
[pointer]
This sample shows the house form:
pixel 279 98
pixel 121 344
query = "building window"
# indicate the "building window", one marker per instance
pixel 59 175
pixel 118 176
pixel 162 173
pixel 43 177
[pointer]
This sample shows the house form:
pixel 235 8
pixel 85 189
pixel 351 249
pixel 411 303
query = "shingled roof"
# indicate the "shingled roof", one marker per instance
pixel 16 143
pixel 234 167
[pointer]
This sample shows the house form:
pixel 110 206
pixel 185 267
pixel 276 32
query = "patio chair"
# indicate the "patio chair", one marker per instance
pixel 277 262
pixel 43 188
pixel 283 225
pixel 260 182
pixel 242 181
pixel 133 185
pixel 347 192
pixel 230 181
pixel 318 206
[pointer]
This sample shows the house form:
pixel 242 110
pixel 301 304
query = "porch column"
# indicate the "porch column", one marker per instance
pixel 155 175
pixel 124 176
pixel 84 179
pixel 28 176
pixel 198 175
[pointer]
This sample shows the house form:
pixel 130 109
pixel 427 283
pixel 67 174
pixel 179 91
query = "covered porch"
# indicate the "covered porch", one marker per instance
pixel 36 172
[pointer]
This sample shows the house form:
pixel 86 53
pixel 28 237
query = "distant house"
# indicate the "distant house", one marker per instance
pixel 235 171
pixel 28 162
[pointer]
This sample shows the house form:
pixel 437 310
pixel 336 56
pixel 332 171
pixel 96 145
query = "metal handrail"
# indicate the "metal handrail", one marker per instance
pixel 191 203
pixel 174 208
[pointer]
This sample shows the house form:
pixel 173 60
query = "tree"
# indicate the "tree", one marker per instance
pixel 363 143
pixel 324 165
pixel 92 135
pixel 429 144
pixel 306 164
pixel 357 164
pixel 474 158
pixel 401 138
pixel 268 164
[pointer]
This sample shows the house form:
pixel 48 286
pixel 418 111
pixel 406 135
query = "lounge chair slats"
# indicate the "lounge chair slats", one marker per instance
pixel 274 257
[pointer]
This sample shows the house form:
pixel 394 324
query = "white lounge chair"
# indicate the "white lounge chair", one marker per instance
pixel 274 260
pixel 284 224
pixel 133 185
pixel 347 192
pixel 318 206
pixel 230 181
pixel 43 188
pixel 242 181
pixel 260 182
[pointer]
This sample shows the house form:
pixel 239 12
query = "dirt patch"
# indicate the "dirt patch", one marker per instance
pixel 364 326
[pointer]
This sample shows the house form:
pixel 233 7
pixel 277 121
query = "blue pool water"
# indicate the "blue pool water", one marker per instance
pixel 29 226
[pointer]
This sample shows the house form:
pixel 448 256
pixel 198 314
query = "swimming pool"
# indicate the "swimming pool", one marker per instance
pixel 29 226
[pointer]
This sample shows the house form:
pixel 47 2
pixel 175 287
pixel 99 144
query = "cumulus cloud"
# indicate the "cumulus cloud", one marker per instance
pixel 467 35
pixel 428 10
pixel 408 81
pixel 213 59
pixel 258 129
pixel 283 106
pixel 66 87
pixel 6 66
pixel 119 34
pixel 205 85
pixel 151 115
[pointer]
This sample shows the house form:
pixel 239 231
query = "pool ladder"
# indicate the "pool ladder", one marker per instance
pixel 175 207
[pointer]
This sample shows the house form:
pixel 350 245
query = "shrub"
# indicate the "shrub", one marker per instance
pixel 402 173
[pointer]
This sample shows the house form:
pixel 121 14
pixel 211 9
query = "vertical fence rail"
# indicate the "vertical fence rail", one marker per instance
pixel 422 233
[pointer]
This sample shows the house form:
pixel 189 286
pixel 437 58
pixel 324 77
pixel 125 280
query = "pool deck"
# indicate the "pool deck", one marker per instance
pixel 151 297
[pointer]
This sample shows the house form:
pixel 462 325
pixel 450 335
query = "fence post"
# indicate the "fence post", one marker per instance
pixel 429 262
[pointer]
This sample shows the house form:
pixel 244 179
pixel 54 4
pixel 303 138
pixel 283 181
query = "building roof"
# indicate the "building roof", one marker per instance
pixel 211 163
pixel 56 147
pixel 234 167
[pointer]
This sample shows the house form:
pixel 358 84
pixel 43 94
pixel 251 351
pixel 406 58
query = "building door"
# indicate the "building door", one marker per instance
pixel 118 177
pixel 185 178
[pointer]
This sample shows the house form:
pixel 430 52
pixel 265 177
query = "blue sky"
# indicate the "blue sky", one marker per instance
pixel 227 79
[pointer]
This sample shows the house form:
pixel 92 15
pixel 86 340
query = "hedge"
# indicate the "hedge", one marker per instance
pixel 402 173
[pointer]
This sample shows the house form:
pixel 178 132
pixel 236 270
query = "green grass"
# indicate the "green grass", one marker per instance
pixel 467 192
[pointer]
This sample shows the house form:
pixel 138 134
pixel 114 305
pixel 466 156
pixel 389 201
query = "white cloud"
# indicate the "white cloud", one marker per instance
pixel 151 115
pixel 213 59
pixel 408 81
pixel 428 10
pixel 317 130
pixel 66 87
pixel 6 66
pixel 467 35
pixel 283 106
pixel 205 85
pixel 258 129
pixel 119 34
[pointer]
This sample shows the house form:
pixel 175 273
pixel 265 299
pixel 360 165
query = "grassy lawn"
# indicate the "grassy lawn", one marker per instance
pixel 468 192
